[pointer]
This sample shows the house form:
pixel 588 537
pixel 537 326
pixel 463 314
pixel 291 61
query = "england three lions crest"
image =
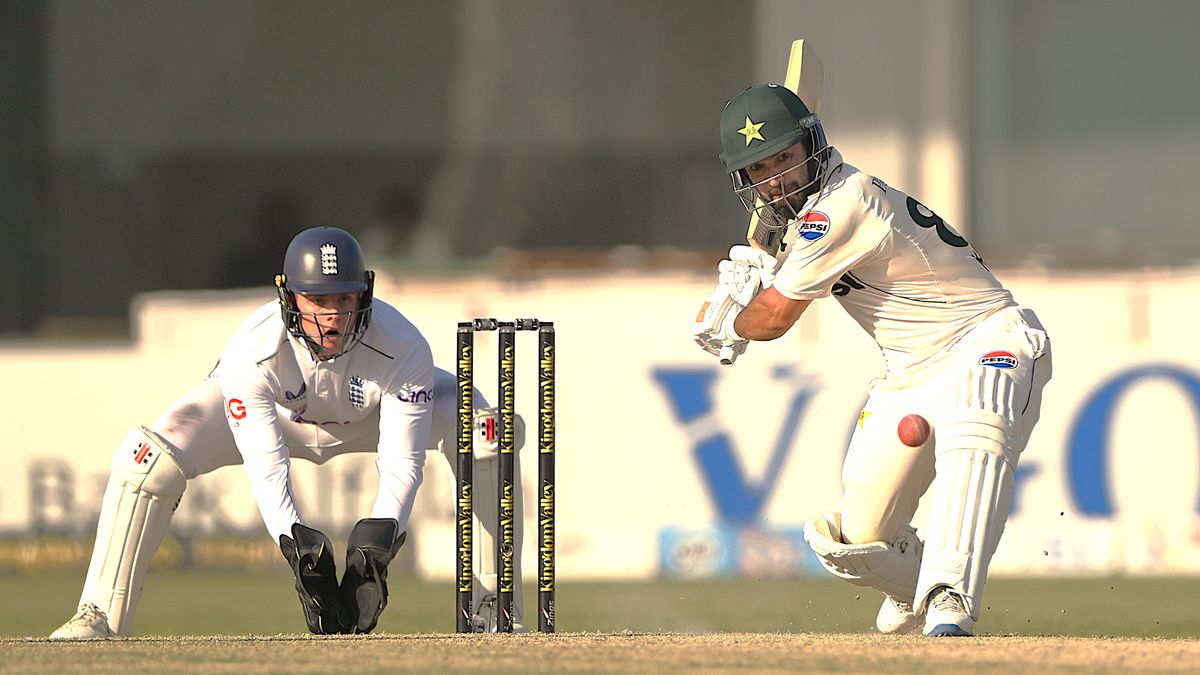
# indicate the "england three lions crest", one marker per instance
pixel 329 259
pixel 354 392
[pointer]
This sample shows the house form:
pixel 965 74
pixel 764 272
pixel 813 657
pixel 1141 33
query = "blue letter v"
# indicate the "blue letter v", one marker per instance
pixel 737 500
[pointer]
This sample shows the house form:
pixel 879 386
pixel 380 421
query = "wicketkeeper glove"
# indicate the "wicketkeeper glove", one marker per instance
pixel 373 544
pixel 310 553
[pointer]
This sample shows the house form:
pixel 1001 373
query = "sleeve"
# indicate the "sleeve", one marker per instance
pixel 405 419
pixel 840 232
pixel 250 410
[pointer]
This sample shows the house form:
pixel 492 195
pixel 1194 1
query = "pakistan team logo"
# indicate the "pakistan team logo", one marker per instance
pixel 751 131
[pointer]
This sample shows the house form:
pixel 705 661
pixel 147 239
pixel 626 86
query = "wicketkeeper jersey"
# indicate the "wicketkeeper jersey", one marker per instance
pixel 902 272
pixel 386 381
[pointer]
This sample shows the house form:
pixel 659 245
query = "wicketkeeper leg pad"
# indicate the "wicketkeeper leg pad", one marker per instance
pixel 891 567
pixel 373 543
pixel 143 491
pixel 976 456
pixel 487 432
pixel 486 527
pixel 486 441
pixel 443 432
pixel 310 555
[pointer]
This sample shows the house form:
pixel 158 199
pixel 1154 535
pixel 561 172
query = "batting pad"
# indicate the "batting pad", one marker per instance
pixel 971 497
pixel 890 567
pixel 143 491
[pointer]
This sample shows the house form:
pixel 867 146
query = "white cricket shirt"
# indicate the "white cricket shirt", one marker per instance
pixel 384 386
pixel 901 272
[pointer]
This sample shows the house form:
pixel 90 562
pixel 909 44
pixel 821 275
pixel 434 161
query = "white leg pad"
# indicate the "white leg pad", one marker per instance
pixel 890 567
pixel 487 432
pixel 972 494
pixel 443 433
pixel 143 492
pixel 443 437
pixel 486 501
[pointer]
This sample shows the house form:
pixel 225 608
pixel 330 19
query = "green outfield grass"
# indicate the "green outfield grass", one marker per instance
pixel 260 603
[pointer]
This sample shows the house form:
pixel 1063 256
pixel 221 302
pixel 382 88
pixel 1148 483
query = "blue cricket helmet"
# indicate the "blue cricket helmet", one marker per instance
pixel 325 261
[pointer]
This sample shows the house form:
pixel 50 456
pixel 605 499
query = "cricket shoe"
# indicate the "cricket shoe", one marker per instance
pixel 484 620
pixel 948 616
pixel 89 623
pixel 897 616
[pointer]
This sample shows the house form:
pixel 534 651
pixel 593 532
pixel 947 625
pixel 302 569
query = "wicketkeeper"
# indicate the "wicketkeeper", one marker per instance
pixel 324 370
pixel 961 356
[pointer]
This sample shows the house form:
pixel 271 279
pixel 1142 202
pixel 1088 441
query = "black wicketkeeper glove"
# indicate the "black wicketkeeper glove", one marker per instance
pixel 373 544
pixel 310 553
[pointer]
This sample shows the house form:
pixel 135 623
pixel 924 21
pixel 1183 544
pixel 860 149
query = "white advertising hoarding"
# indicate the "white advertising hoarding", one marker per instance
pixel 667 462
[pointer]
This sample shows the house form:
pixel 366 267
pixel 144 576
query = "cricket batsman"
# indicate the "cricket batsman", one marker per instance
pixel 325 369
pixel 965 365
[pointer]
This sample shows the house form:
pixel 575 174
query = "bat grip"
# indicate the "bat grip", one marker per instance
pixel 727 355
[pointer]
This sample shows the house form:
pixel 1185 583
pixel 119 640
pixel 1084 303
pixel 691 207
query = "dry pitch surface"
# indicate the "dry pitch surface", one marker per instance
pixel 249 622
pixel 597 652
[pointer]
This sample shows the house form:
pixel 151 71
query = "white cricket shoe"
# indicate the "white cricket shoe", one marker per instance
pixel 947 615
pixel 484 620
pixel 89 623
pixel 897 616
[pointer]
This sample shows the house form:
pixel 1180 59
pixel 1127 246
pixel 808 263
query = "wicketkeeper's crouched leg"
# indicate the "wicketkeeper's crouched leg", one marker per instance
pixel 487 523
pixel 150 470
pixel 143 492
pixel 486 496
pixel 486 500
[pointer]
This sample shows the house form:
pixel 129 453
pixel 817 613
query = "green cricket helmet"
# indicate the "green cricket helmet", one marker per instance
pixel 759 123
pixel 325 261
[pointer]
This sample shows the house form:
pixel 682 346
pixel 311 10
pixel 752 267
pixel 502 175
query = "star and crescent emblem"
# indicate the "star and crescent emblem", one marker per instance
pixel 750 131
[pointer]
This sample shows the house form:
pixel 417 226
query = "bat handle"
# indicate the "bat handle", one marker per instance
pixel 727 355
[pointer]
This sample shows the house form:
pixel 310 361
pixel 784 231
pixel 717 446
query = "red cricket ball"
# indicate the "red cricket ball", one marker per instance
pixel 913 431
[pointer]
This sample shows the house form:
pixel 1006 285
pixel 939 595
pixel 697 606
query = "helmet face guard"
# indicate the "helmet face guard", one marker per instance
pixel 778 205
pixel 325 261
pixel 759 123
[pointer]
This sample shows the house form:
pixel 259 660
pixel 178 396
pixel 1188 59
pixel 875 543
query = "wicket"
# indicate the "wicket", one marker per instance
pixel 465 469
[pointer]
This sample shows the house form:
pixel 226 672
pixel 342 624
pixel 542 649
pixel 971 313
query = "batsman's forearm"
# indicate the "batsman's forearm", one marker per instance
pixel 758 324
pixel 769 316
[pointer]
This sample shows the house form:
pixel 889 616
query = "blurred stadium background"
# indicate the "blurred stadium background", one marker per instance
pixel 558 159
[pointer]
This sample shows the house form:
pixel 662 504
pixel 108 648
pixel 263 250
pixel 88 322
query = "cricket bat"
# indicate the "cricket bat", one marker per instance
pixel 806 77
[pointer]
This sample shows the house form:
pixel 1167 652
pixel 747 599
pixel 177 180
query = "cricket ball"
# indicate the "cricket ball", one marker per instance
pixel 913 431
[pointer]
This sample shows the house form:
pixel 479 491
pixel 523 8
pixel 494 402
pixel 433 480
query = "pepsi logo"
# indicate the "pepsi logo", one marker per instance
pixel 1003 360
pixel 813 226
